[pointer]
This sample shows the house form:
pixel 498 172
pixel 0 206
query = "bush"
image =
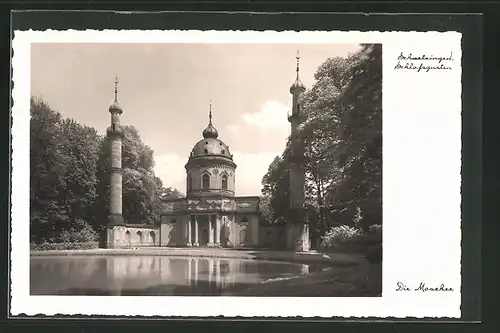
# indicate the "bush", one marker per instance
pixel 80 232
pixel 64 246
pixel 375 233
pixel 375 229
pixel 340 234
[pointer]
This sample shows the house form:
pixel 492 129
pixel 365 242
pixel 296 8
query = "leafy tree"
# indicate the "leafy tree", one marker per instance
pixel 342 138
pixel 265 209
pixel 276 186
pixel 70 174
pixel 45 166
pixel 360 134
pixel 63 178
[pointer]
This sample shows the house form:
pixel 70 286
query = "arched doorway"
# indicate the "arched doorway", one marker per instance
pixel 243 236
pixel 204 237
pixel 153 237
pixel 139 235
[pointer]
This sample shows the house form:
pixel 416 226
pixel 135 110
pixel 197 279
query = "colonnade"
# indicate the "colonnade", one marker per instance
pixel 214 227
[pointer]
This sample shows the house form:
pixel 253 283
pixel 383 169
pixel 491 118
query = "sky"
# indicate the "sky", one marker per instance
pixel 165 91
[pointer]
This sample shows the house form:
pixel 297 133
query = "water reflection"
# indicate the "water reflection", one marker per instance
pixel 152 275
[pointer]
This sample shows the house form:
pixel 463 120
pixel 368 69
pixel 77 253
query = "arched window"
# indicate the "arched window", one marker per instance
pixel 224 182
pixel 206 181
pixel 139 234
pixel 152 234
pixel 190 183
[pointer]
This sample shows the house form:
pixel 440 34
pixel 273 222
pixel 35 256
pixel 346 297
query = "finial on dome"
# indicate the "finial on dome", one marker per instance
pixel 298 59
pixel 210 112
pixel 116 89
pixel 210 131
pixel 115 107
pixel 297 86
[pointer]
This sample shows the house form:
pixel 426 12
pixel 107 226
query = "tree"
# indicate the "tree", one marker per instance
pixel 276 186
pixel 360 134
pixel 45 166
pixel 342 138
pixel 63 174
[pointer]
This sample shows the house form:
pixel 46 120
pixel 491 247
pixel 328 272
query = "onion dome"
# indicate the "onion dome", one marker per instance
pixel 297 86
pixel 210 131
pixel 210 146
pixel 115 106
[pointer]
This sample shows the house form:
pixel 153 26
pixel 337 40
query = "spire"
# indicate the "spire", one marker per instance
pixel 210 113
pixel 115 107
pixel 210 131
pixel 297 86
pixel 298 59
pixel 116 88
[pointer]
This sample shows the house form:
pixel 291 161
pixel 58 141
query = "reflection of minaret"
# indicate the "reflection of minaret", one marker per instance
pixel 115 135
pixel 297 230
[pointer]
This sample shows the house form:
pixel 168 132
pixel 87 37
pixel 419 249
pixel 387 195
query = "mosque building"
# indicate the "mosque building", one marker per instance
pixel 210 215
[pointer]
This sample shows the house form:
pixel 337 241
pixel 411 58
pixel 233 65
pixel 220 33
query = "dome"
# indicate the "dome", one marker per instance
pixel 210 147
pixel 115 107
pixel 297 85
pixel 210 132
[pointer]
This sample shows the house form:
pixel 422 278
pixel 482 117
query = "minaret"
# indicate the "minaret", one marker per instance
pixel 297 228
pixel 115 135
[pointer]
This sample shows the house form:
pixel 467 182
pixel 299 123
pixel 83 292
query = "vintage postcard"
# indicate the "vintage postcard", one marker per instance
pixel 236 173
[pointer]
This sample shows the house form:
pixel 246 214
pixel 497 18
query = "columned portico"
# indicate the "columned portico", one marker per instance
pixel 203 230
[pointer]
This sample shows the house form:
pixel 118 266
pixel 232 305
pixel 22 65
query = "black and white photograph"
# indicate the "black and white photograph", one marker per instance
pixel 233 170
pixel 206 169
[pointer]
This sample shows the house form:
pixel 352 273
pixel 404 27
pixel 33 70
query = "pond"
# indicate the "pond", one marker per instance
pixel 154 275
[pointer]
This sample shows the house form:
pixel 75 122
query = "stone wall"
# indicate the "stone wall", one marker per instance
pixel 272 236
pixel 172 230
pixel 240 231
pixel 132 236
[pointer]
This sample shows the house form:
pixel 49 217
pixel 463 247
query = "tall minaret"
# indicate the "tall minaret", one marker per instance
pixel 115 135
pixel 298 230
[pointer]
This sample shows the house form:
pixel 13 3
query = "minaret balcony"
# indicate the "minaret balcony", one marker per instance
pixel 290 115
pixel 114 131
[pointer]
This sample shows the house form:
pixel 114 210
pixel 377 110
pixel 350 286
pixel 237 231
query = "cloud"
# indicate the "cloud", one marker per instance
pixel 170 169
pixel 272 116
pixel 251 168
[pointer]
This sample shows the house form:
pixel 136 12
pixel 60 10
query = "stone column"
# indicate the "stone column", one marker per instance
pixel 196 242
pixel 210 231
pixel 217 230
pixel 189 232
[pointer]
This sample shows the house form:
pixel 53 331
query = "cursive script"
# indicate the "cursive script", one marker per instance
pixel 400 286
pixel 439 59
pixel 423 62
